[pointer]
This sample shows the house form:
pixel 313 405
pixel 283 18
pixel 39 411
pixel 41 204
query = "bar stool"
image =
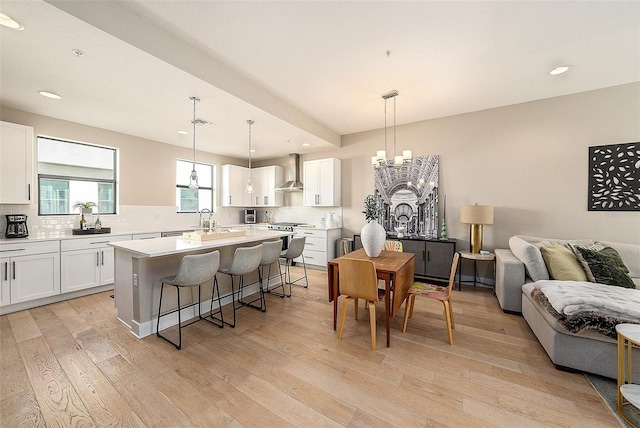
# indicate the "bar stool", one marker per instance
pixel 245 260
pixel 270 254
pixel 194 271
pixel 296 247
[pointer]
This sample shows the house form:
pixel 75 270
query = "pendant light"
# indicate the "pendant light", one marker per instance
pixel 380 159
pixel 193 180
pixel 249 184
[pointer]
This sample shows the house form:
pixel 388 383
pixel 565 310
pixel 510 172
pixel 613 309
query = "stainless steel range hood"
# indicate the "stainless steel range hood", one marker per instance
pixel 294 184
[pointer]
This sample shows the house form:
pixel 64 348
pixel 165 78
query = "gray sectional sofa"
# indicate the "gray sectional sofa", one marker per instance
pixel 521 269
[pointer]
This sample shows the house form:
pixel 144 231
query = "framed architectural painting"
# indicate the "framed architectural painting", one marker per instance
pixel 408 195
pixel 614 177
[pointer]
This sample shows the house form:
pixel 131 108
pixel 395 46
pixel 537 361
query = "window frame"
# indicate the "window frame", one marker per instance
pixel 114 182
pixel 213 189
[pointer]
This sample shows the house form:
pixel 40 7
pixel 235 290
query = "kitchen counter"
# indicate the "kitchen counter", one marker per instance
pixel 56 235
pixel 177 245
pixel 141 263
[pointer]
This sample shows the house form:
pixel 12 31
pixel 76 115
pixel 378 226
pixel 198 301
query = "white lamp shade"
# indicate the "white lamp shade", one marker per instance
pixel 476 214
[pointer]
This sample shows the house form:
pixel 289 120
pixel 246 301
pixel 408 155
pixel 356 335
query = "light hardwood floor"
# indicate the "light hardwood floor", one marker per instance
pixel 73 364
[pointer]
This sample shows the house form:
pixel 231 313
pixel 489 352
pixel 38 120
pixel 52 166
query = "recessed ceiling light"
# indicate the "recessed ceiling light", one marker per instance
pixel 559 70
pixel 181 132
pixel 8 22
pixel 50 95
pixel 305 144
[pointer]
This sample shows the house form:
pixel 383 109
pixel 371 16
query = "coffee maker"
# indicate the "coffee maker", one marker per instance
pixel 16 226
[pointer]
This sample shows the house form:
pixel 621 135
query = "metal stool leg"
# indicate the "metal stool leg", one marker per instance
pixel 216 289
pixel 288 263
pixel 242 302
pixel 282 283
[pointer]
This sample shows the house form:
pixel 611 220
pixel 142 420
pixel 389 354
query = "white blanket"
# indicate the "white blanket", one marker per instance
pixel 571 297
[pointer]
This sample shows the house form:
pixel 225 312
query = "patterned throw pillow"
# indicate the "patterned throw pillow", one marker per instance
pixel 607 267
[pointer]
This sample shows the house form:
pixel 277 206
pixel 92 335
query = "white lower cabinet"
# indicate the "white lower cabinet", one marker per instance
pixel 319 247
pixel 87 262
pixel 29 271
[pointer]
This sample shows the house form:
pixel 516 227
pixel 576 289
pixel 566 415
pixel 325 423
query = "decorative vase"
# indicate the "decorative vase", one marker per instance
pixel 443 233
pixel 373 236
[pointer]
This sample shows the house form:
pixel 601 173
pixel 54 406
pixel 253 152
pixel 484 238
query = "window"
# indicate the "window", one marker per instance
pixel 71 172
pixel 194 200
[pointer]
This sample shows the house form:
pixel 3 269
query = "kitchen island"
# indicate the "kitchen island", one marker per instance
pixel 139 264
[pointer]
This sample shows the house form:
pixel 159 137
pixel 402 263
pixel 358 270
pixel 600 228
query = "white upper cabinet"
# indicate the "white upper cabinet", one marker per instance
pixel 16 163
pixel 321 179
pixel 264 180
pixel 233 186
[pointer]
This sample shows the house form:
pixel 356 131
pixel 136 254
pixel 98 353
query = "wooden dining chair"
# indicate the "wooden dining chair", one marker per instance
pixel 436 292
pixel 358 281
pixel 393 246
pixel 389 245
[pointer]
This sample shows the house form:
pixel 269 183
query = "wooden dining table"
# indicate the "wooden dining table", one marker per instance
pixel 396 269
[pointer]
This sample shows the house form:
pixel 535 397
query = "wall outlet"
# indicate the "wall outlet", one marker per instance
pixel 135 279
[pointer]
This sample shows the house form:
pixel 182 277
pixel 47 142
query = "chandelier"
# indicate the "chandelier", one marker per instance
pixel 380 159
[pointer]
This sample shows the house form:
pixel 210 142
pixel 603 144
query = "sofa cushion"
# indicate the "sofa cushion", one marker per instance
pixel 562 264
pixel 607 267
pixel 630 254
pixel 530 256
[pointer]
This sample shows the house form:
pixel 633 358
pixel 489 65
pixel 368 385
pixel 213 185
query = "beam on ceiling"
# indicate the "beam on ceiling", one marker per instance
pixel 124 24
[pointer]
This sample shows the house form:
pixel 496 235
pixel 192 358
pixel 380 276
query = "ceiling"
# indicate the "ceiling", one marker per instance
pixel 304 71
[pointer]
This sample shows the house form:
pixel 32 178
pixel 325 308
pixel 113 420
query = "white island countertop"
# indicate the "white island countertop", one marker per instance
pixel 176 245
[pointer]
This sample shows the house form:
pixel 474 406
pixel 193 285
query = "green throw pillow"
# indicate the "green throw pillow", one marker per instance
pixel 562 264
pixel 607 267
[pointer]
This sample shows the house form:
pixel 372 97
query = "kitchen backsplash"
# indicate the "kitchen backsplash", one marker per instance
pixel 133 218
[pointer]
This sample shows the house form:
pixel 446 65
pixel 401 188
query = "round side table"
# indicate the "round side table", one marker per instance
pixel 491 257
pixel 628 392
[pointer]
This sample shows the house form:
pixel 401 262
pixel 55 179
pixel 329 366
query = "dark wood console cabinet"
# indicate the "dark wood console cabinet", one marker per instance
pixel 433 256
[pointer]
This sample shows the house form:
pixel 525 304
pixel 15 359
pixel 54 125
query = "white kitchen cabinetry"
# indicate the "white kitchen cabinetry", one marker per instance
pixel 322 183
pixel 319 247
pixel 30 270
pixel 264 180
pixel 234 186
pixel 87 262
pixel 16 163
pixel 151 235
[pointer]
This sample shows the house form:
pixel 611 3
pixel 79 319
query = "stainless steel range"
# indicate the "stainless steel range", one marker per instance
pixel 285 225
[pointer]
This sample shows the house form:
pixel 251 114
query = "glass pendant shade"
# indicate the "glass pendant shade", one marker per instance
pixel 193 180
pixel 249 184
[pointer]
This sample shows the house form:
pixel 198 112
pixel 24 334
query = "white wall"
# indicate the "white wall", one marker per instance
pixel 529 160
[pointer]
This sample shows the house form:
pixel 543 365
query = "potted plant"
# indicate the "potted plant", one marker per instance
pixel 372 234
pixel 85 208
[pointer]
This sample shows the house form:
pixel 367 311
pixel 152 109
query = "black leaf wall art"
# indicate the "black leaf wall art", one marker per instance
pixel 614 177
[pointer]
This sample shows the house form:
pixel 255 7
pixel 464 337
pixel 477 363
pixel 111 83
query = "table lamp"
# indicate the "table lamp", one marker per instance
pixel 476 215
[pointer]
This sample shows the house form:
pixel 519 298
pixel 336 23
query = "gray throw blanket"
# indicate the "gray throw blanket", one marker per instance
pixel 584 305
